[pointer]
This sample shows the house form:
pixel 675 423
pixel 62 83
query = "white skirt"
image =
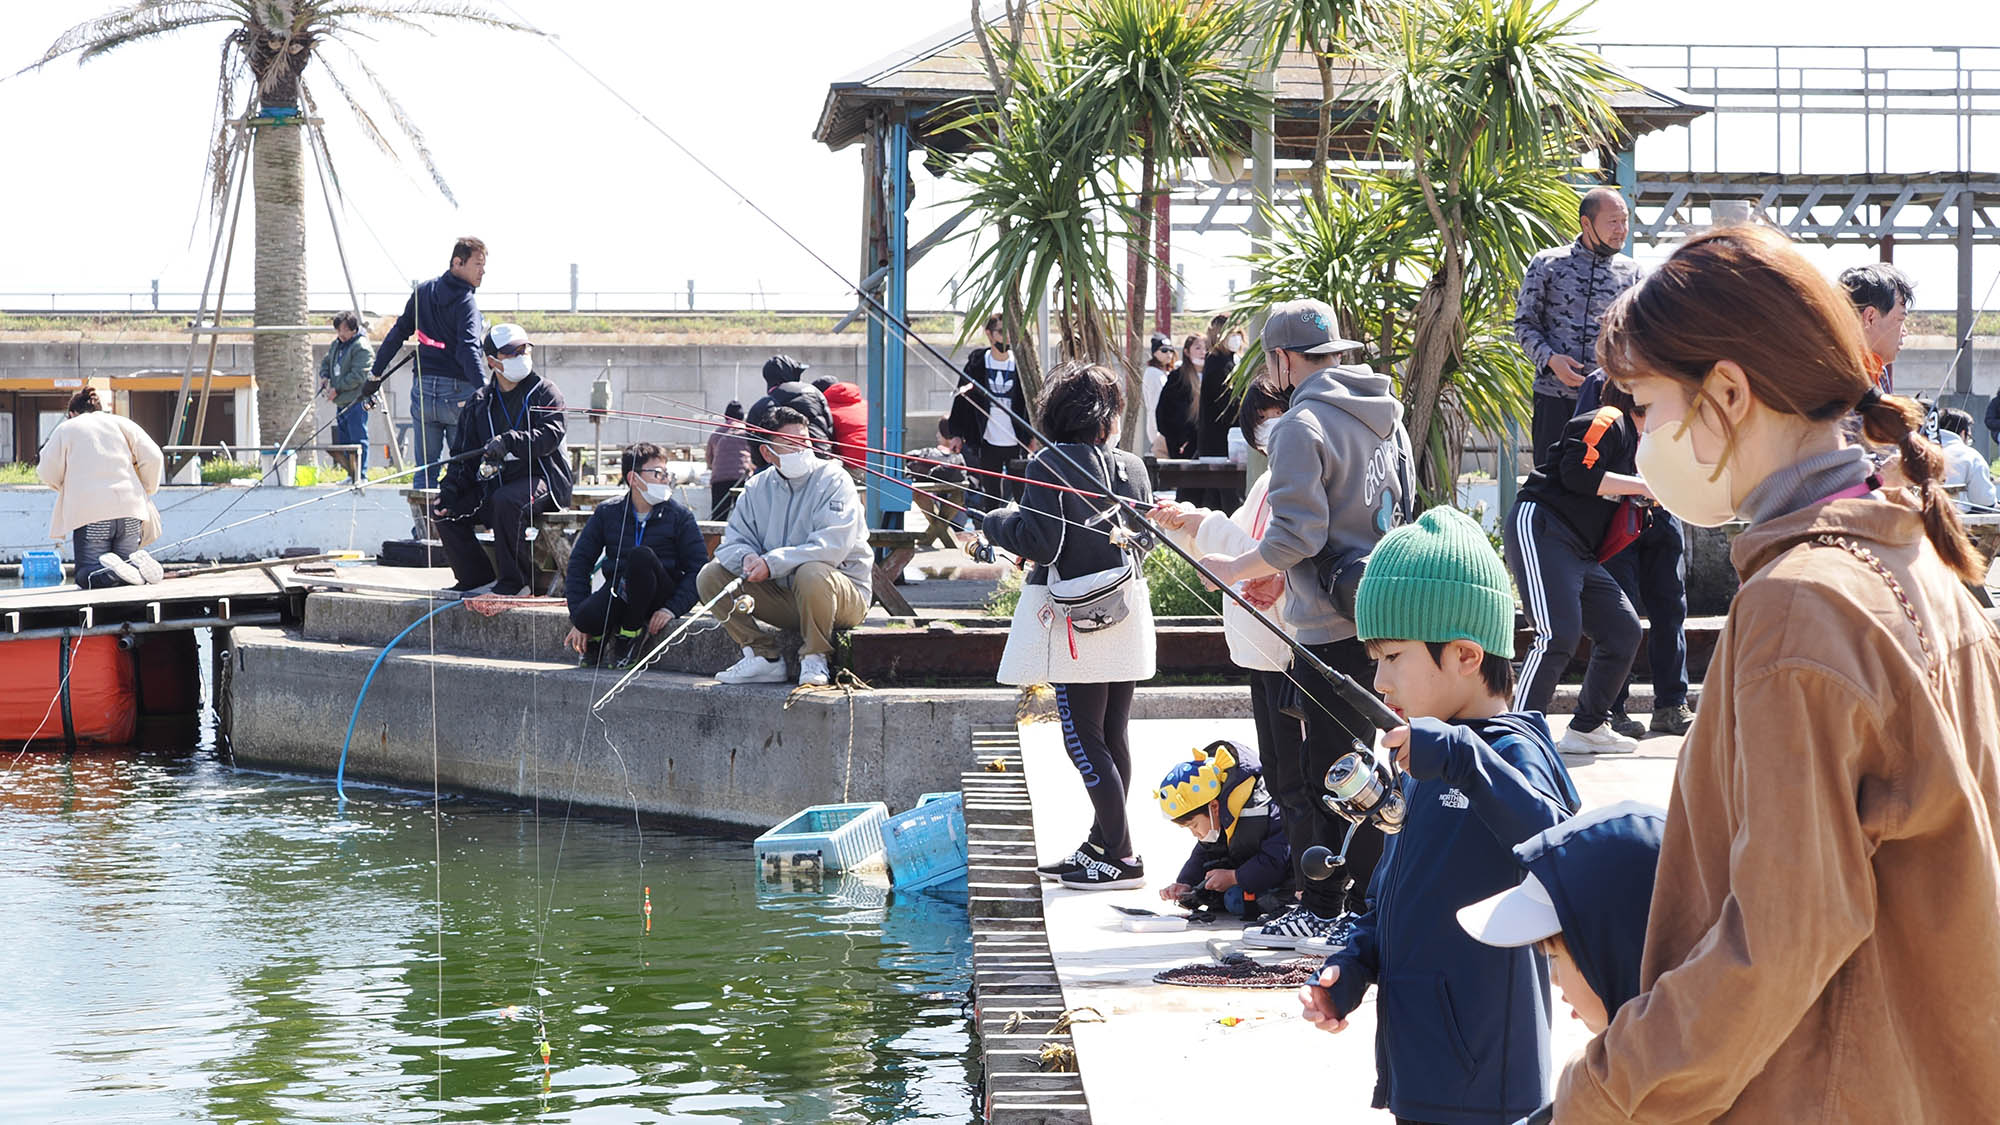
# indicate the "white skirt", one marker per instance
pixel 1038 644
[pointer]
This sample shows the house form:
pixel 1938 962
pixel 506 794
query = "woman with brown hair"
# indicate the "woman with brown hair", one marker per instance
pixel 1824 941
pixel 104 470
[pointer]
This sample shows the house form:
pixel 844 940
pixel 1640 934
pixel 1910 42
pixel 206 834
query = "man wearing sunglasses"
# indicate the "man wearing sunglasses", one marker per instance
pixel 650 549
pixel 516 423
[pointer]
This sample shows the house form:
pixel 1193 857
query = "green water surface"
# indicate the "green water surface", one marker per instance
pixel 187 942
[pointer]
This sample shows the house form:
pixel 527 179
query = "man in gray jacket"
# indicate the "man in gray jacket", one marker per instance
pixel 798 537
pixel 1340 479
pixel 1564 295
pixel 342 373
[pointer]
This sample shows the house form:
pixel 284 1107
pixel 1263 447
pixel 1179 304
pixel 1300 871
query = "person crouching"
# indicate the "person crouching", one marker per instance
pixel 650 549
pixel 798 538
pixel 1239 859
pixel 516 423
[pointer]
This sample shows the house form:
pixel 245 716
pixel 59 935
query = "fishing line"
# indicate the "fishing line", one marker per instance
pixel 62 686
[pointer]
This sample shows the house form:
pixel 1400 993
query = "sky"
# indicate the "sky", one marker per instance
pixel 102 193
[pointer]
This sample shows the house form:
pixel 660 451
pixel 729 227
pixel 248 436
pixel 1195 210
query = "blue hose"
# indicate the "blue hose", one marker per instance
pixel 340 774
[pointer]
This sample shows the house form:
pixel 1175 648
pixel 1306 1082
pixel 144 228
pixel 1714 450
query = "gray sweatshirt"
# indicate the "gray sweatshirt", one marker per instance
pixel 816 518
pixel 1334 482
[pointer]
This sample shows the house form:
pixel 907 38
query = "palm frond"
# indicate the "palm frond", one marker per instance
pixel 368 127
pixel 413 14
pixel 408 127
pixel 142 19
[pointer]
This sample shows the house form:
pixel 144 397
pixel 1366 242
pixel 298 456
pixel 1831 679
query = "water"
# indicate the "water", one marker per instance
pixel 188 942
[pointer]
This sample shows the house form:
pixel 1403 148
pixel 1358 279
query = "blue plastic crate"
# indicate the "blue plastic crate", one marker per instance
pixel 832 837
pixel 926 845
pixel 41 568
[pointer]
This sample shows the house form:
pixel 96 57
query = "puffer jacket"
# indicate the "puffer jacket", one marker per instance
pixel 530 423
pixel 1825 934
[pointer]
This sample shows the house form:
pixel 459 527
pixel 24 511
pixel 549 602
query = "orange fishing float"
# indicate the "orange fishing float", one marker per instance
pixel 649 910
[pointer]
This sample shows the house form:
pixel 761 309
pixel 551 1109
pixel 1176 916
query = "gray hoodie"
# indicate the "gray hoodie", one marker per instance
pixel 1334 482
pixel 816 518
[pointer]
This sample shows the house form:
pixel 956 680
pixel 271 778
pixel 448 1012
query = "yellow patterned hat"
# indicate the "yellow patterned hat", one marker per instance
pixel 1192 784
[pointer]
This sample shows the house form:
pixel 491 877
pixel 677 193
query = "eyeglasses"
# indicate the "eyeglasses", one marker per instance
pixel 511 351
pixel 657 472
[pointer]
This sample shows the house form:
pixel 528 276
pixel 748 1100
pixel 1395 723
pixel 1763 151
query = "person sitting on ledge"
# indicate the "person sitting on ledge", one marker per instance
pixel 649 547
pixel 517 421
pixel 799 539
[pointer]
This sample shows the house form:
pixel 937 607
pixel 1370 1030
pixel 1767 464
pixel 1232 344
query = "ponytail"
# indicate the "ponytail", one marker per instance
pixel 1898 421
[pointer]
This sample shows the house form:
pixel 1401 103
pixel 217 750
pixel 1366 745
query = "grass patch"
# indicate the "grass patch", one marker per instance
pixel 221 472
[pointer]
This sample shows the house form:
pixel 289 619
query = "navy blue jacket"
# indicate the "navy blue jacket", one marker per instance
pixel 444 318
pixel 669 531
pixel 530 423
pixel 1598 869
pixel 1252 842
pixel 1462 1031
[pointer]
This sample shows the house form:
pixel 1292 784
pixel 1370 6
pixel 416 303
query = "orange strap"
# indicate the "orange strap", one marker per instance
pixel 1605 418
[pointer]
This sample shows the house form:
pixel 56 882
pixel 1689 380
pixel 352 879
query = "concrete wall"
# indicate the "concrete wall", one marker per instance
pixel 360 520
pixel 648 378
pixel 672 745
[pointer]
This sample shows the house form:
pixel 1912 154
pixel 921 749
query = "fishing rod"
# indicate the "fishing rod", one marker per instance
pixel 1351 692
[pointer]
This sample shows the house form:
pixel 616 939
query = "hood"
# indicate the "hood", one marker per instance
pixel 453 283
pixel 1598 869
pixel 842 394
pixel 1891 517
pixel 1357 390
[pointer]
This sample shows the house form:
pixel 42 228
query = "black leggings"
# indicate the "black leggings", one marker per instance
pixel 632 591
pixel 1331 730
pixel 1281 749
pixel 1093 723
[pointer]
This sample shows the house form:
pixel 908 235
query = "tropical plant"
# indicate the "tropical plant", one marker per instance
pixel 1475 101
pixel 1165 81
pixel 1321 28
pixel 269 44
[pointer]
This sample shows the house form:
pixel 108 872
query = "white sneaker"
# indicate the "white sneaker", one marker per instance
pixel 813 671
pixel 1332 941
pixel 1284 931
pixel 1598 740
pixel 149 567
pixel 124 571
pixel 753 669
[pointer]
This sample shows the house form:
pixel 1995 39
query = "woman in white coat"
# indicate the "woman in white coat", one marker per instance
pixel 104 470
pixel 1085 621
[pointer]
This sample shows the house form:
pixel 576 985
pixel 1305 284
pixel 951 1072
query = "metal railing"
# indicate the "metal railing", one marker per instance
pixel 384 302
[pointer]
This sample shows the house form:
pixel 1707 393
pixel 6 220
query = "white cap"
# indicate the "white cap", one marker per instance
pixel 1517 917
pixel 503 336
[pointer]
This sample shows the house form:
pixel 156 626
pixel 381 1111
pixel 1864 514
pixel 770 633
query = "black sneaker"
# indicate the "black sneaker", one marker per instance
pixel 1627 725
pixel 593 653
pixel 1054 872
pixel 623 650
pixel 1673 720
pixel 1106 874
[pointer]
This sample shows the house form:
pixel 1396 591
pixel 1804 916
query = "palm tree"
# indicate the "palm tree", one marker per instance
pixel 271 43
pixel 1318 27
pixel 1476 101
pixel 1172 79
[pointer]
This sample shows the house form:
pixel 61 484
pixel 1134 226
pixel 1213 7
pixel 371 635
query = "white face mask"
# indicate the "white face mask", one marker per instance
pixel 795 464
pixel 514 368
pixel 1214 834
pixel 1236 341
pixel 1698 493
pixel 1265 429
pixel 657 493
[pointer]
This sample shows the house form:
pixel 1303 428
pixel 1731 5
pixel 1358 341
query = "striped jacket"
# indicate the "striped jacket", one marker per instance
pixel 1563 298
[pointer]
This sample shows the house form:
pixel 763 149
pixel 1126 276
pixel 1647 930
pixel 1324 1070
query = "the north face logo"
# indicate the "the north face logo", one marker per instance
pixel 1453 799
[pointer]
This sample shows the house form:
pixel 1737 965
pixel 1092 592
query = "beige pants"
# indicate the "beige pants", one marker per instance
pixel 819 600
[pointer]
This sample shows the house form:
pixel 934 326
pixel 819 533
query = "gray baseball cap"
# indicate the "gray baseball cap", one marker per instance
pixel 1304 326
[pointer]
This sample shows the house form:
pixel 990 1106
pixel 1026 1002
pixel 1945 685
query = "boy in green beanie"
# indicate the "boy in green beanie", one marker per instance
pixel 1462 1031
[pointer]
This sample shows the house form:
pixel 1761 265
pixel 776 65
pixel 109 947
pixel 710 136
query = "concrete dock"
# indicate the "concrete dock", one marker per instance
pixel 1136 1062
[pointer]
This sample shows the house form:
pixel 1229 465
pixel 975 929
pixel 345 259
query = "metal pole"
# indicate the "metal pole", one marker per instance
pixel 1966 205
pixel 572 287
pixel 690 294
pixel 895 500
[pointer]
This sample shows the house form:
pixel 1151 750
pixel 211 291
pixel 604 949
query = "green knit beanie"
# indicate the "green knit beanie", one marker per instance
pixel 1437 580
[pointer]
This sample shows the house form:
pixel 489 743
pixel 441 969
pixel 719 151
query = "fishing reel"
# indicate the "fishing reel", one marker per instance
pixel 1362 787
pixel 1139 541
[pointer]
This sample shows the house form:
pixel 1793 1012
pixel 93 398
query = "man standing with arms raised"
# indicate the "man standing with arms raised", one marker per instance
pixel 1563 297
pixel 1340 480
pixel 444 318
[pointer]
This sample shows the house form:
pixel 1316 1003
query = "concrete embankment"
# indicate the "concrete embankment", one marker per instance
pixel 673 744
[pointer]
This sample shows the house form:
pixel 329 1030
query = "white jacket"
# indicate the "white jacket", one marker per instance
pixel 1252 645
pixel 1963 465
pixel 102 467
pixel 816 518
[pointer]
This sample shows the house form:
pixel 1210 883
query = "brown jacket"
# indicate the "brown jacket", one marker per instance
pixel 1824 943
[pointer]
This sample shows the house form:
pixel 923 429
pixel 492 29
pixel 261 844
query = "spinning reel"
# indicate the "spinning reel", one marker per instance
pixel 1362 787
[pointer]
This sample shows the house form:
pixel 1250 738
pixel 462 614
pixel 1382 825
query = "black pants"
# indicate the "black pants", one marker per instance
pixel 1552 413
pixel 632 592
pixel 1094 717
pixel 1653 575
pixel 722 498
pixel 1332 727
pixel 1281 739
pixel 984 493
pixel 1568 595
pixel 508 510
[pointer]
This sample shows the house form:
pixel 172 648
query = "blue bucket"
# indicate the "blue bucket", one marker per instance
pixel 41 568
